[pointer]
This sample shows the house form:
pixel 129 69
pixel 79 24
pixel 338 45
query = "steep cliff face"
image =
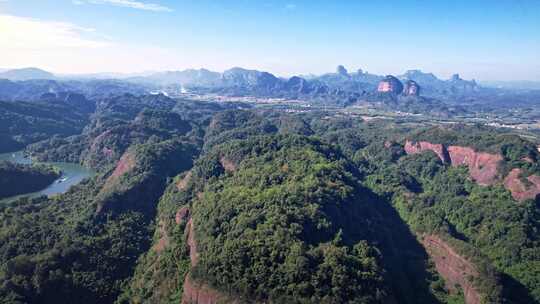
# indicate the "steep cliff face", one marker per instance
pixel 198 292
pixel 521 191
pixel 181 215
pixel 125 164
pixel 193 254
pixel 411 88
pixel 421 146
pixel 483 167
pixel 455 269
pixel 390 84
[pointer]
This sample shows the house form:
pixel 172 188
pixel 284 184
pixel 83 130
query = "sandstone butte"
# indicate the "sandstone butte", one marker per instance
pixel 483 167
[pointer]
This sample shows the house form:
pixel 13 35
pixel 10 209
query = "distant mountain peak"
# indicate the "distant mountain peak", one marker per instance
pixel 456 77
pixel 26 74
pixel 419 75
pixel 341 70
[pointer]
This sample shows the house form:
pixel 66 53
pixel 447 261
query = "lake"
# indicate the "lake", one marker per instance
pixel 72 173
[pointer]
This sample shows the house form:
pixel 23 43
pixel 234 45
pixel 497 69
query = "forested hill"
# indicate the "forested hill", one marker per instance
pixel 197 202
pixel 18 179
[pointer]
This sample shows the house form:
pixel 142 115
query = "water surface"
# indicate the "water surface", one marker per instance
pixel 72 174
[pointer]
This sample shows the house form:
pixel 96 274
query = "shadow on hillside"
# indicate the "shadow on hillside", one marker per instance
pixel 403 257
pixel 515 292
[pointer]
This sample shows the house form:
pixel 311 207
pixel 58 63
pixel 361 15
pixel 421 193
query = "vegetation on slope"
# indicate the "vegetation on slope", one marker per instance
pixel 488 226
pixel 286 208
pixel 24 122
pixel 18 179
pixel 280 227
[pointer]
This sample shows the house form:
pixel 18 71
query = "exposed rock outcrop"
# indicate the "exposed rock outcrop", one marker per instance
pixel 483 167
pixel 390 84
pixel 98 143
pixel 125 164
pixel 181 215
pixel 521 191
pixel 227 164
pixel 163 241
pixel 411 88
pixel 421 146
pixel 198 292
pixel 455 269
pixel 193 253
pixel 182 184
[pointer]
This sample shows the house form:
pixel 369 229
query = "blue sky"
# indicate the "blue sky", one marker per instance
pixel 485 40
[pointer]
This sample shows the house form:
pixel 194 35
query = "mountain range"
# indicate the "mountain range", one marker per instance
pixel 26 74
pixel 233 77
pixel 340 87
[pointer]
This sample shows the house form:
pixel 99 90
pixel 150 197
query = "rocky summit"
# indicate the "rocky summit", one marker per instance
pixel 390 84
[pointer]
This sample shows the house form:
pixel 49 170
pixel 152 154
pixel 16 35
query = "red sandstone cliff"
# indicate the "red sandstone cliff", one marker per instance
pixel 227 164
pixel 483 167
pixel 519 190
pixel 421 146
pixel 455 269
pixel 125 164
pixel 181 215
pixel 182 184
pixel 198 292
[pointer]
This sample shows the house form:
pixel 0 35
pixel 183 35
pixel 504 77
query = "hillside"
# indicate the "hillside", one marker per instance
pixel 197 202
pixel 17 179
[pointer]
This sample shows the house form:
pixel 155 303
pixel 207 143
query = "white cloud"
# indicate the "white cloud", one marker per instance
pixel 69 48
pixel 129 3
pixel 21 33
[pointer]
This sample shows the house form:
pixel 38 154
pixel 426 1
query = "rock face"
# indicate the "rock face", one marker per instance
pixel 198 292
pixel 455 269
pixel 164 238
pixel 182 184
pixel 124 165
pixel 181 215
pixel 227 164
pixel 411 88
pixel 519 190
pixel 193 253
pixel 390 84
pixel 483 167
pixel 421 146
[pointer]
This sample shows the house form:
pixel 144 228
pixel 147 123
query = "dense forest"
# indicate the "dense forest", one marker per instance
pixel 197 200
pixel 18 179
